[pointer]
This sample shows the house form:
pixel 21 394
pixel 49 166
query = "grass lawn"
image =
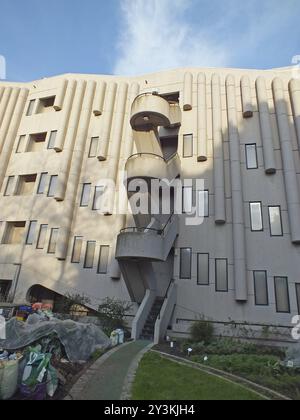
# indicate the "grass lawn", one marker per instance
pixel 161 379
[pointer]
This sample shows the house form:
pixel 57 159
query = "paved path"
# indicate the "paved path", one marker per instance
pixel 106 378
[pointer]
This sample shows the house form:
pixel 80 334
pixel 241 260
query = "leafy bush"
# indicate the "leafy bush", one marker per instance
pixel 202 332
pixel 112 314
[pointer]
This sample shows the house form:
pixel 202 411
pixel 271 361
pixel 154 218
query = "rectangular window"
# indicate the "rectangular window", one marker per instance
pixel 97 198
pixel 77 247
pixel 188 146
pixel 53 241
pixel 21 145
pixel 93 147
pixel 37 142
pixel 42 237
pixel 5 286
pixel 251 156
pixel 90 254
pixel 297 285
pixel 261 288
pixel 9 189
pixel 282 295
pixel 221 275
pixel 26 184
pixel 256 217
pixel 31 235
pixel 85 195
pixel 14 234
pixel 52 185
pixel 187 199
pixel 42 183
pixel 203 204
pixel 203 269
pixel 275 221
pixel 186 263
pixel 46 104
pixel 30 108
pixel 52 139
pixel 103 260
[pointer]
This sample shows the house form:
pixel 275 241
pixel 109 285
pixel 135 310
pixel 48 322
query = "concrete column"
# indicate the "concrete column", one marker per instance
pixel 246 97
pixel 73 180
pixel 8 115
pixel 238 223
pixel 128 139
pixel 99 99
pixel 289 169
pixel 188 92
pixel 63 126
pixel 9 141
pixel 115 145
pixel 219 177
pixel 60 97
pixel 107 121
pixel 71 131
pixel 295 99
pixel 2 89
pixel 265 126
pixel 202 119
pixel 4 103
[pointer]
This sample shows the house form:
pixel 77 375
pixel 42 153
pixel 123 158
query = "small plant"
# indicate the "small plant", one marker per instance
pixel 112 314
pixel 71 301
pixel 202 332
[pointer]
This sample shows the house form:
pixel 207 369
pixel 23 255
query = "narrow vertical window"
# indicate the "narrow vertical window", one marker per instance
pixel 9 189
pixel 275 221
pixel 42 237
pixel 103 260
pixel 21 145
pixel 98 198
pixel 251 156
pixel 203 203
pixel 221 275
pixel 282 295
pixel 31 235
pixel 187 199
pixel 42 183
pixel 256 217
pixel 52 139
pixel 52 185
pixel 188 146
pixel 30 108
pixel 77 248
pixel 93 147
pixel 90 254
pixel 297 285
pixel 53 241
pixel 261 288
pixel 186 263
pixel 203 269
pixel 85 195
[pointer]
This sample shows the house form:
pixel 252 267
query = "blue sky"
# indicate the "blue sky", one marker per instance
pixel 42 38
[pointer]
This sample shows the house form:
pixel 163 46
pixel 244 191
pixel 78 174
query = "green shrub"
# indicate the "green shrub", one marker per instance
pixel 202 332
pixel 112 315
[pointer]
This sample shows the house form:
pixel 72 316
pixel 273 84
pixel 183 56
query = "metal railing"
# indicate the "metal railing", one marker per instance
pixel 166 296
pixel 154 155
pixel 160 232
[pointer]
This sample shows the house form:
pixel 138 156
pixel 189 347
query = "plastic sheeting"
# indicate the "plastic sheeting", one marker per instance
pixel 79 340
pixel 293 357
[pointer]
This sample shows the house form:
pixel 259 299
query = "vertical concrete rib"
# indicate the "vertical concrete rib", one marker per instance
pixel 8 115
pixel 289 169
pixel 99 99
pixel 4 103
pixel 246 97
pixel 107 121
pixel 63 126
pixel 295 99
pixel 239 241
pixel 8 144
pixel 188 92
pixel 2 89
pixel 128 145
pixel 60 97
pixel 219 177
pixel 202 118
pixel 265 126
pixel 73 180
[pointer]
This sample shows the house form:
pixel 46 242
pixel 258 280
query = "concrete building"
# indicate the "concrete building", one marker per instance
pixel 64 138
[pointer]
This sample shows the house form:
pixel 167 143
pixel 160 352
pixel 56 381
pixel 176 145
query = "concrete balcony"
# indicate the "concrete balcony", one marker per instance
pixel 150 111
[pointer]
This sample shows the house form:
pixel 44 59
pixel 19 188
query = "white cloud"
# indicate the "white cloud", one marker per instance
pixel 156 35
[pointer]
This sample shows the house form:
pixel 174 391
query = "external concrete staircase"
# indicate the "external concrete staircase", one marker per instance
pixel 146 251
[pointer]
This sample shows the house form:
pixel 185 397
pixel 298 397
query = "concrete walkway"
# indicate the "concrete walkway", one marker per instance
pixel 106 379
